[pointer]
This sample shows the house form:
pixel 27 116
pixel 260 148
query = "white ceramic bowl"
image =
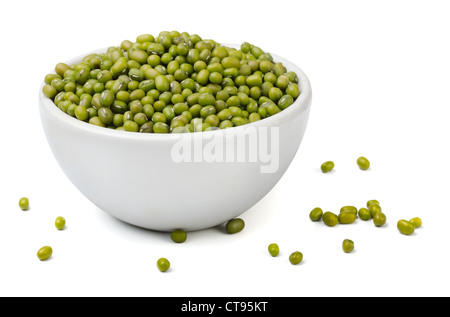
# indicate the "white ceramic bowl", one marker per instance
pixel 139 179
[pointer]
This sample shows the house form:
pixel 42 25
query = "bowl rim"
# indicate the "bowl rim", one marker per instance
pixel 47 105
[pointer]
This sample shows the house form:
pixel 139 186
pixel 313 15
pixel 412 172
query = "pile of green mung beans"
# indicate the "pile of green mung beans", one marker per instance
pixel 173 83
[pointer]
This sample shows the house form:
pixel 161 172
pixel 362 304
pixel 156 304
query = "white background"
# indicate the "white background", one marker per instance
pixel 380 73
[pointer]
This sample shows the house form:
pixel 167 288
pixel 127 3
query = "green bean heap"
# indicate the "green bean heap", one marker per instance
pixel 175 82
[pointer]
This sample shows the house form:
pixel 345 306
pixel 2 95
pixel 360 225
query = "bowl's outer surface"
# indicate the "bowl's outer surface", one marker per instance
pixel 134 176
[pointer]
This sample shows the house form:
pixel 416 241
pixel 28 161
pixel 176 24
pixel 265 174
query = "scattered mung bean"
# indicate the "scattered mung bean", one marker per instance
pixel 351 209
pixel 60 223
pixel 364 214
pixel 163 264
pixel 373 201
pixel 316 214
pixel 348 245
pixel 235 225
pixel 416 221
pixel 330 219
pixel 327 166
pixel 273 249
pixel 24 203
pixel 379 219
pixel 374 209
pixel 296 257
pixel 178 236
pixel 363 163
pixel 44 253
pixel 346 217
pixel 406 227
